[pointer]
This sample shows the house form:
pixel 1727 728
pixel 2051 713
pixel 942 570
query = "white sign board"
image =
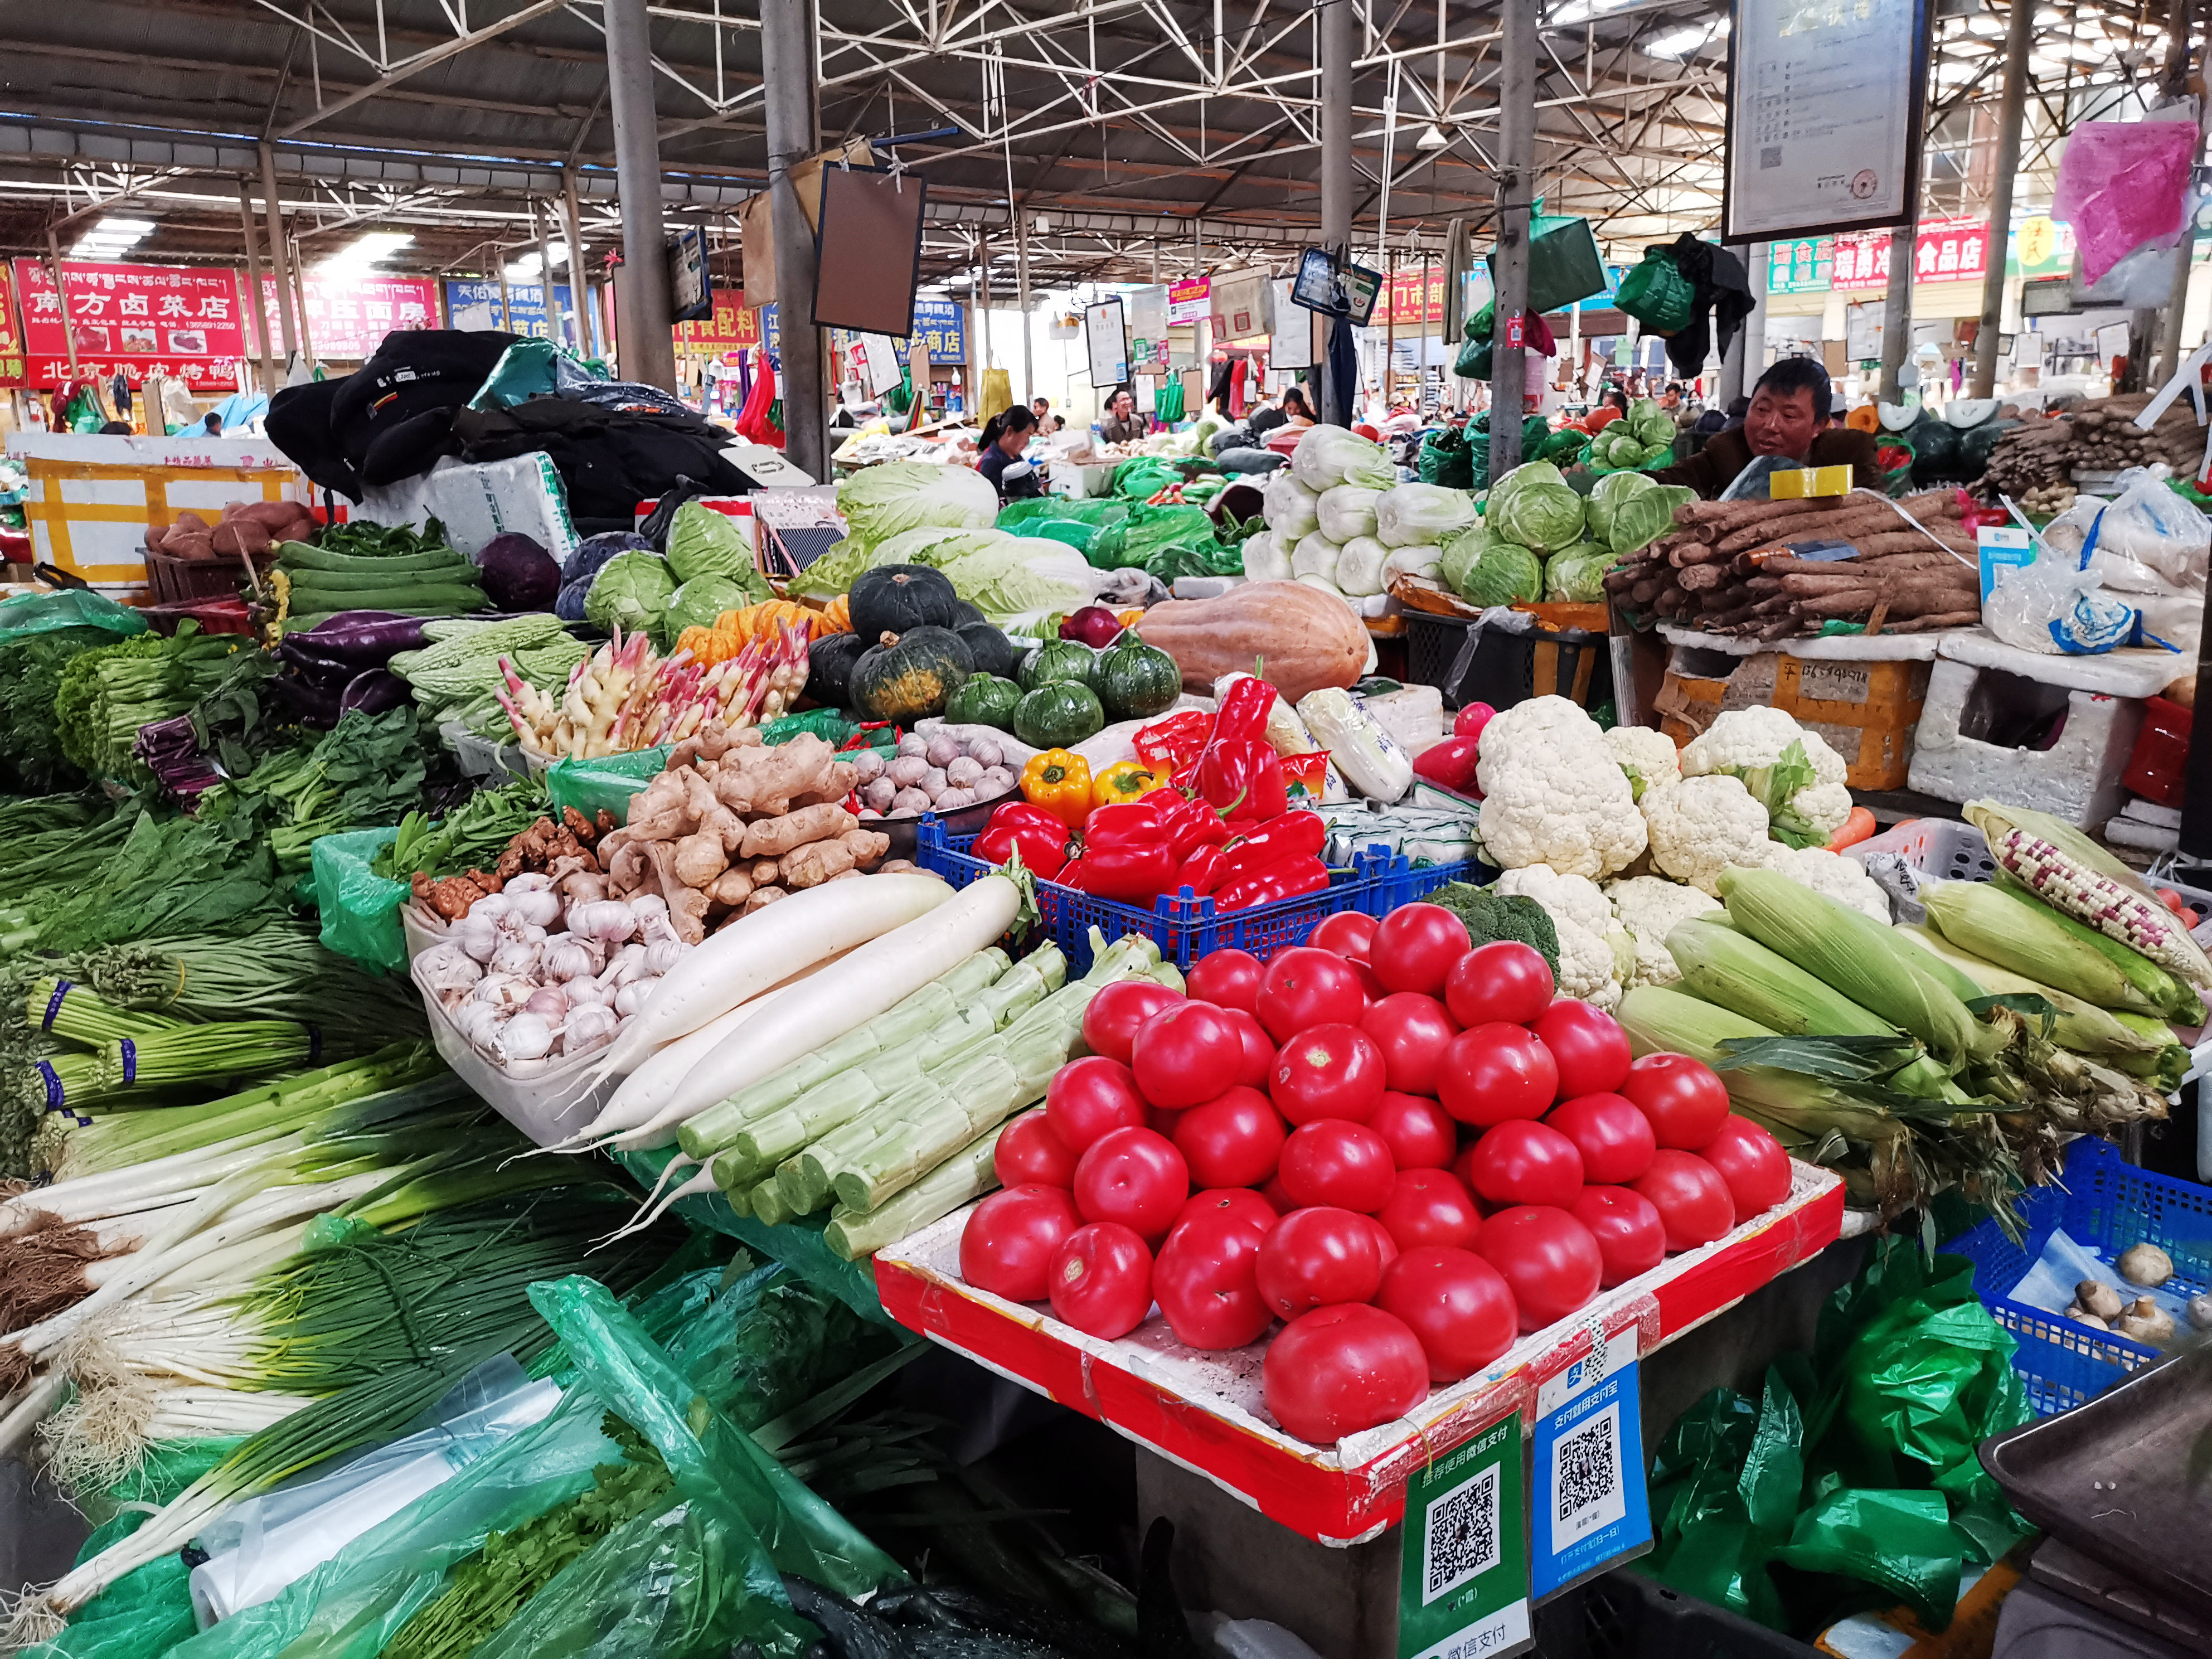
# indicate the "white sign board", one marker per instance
pixel 1106 343
pixel 1825 100
pixel 1290 338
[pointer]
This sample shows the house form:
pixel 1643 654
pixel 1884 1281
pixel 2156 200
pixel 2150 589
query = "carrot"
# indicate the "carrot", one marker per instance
pixel 1858 827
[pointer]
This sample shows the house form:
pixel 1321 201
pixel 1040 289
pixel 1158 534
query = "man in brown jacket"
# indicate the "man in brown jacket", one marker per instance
pixel 1789 416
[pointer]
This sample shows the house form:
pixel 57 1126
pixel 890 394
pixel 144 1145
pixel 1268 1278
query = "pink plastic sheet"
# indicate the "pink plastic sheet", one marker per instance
pixel 2122 184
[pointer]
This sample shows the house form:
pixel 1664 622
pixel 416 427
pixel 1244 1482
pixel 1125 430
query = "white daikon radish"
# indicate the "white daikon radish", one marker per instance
pixel 740 961
pixel 883 972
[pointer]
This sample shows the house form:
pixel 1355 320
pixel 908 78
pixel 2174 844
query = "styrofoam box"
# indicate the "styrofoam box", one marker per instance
pixel 2077 779
pixel 547 1100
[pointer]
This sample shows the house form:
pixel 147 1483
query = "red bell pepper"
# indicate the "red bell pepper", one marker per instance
pixel 1293 835
pixel 1126 854
pixel 1174 741
pixel 1450 764
pixel 1289 879
pixel 1244 777
pixel 1187 824
pixel 1075 873
pixel 1043 850
pixel 1028 814
pixel 1243 712
pixel 1201 873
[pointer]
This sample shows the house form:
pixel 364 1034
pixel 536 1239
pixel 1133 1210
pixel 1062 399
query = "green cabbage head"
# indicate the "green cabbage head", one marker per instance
pixel 1535 505
pixel 1575 575
pixel 1483 569
pixel 630 592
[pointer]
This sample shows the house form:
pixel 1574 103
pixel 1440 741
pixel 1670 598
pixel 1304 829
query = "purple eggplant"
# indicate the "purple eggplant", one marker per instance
pixel 329 672
pixel 311 704
pixel 376 692
pixel 365 638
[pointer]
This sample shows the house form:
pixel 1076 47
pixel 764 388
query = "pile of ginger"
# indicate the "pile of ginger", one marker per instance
pixel 733 825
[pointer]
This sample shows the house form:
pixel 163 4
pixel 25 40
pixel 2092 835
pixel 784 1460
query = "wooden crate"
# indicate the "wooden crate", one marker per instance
pixel 183 581
pixel 1867 711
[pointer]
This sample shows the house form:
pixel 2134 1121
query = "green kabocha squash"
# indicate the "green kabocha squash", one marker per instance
pixel 1134 680
pixel 965 611
pixel 984 700
pixel 1057 714
pixel 994 652
pixel 909 676
pixel 830 662
pixel 893 598
pixel 1057 659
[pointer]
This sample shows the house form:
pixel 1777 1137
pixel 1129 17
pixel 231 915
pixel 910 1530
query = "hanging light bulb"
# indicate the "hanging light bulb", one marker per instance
pixel 1433 136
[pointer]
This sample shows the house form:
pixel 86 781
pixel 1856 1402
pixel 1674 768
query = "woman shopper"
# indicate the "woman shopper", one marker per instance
pixel 1004 437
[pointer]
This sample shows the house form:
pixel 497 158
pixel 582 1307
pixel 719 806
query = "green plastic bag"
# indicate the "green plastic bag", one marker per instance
pixel 1657 295
pixel 607 781
pixel 71 607
pixel 360 909
pixel 1445 460
pixel 1024 517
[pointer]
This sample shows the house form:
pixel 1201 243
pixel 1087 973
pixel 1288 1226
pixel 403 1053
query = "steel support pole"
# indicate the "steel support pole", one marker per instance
pixel 279 265
pixel 2020 39
pixel 556 325
pixel 1516 146
pixel 61 299
pixel 648 350
pixel 1336 55
pixel 1022 288
pixel 1897 308
pixel 787 78
pixel 257 303
pixel 580 290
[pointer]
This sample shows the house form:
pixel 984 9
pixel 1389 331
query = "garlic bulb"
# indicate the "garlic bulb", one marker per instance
pixel 492 906
pixel 629 962
pixel 476 1022
pixel 548 1002
pixel 448 968
pixel 663 954
pixel 517 955
pixel 538 906
pixel 503 990
pixel 610 921
pixel 568 958
pixel 588 992
pixel 588 1029
pixel 477 937
pixel 635 994
pixel 648 907
pixel 531 881
pixel 526 1037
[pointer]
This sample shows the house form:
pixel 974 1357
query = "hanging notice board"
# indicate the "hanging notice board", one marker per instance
pixel 869 251
pixel 1824 115
pixel 1106 343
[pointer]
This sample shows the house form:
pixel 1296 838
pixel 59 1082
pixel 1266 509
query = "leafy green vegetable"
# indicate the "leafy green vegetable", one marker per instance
pixel 878 501
pixel 1534 506
pixel 1491 915
pixel 1023 576
pixel 472 834
pixel 368 770
pixel 105 695
pixel 697 603
pixel 364 539
pixel 1575 575
pixel 704 542
pixel 630 592
pixel 1651 424
pixel 1482 567
pixel 30 673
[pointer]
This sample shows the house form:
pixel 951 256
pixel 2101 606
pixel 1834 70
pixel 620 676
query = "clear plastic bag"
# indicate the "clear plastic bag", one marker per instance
pixel 2150 540
pixel 2054 606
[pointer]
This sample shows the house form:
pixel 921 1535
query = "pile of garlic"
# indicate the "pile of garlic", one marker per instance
pixel 524 981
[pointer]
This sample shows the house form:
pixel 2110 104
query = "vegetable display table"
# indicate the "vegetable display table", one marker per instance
pixel 1203 1411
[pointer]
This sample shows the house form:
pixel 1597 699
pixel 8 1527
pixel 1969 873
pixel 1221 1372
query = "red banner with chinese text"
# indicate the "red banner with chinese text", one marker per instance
pixel 1944 250
pixel 348 318
pixel 133 320
pixel 1405 304
pixel 733 327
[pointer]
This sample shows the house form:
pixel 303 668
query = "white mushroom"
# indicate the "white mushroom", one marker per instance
pixel 2098 1297
pixel 2145 1264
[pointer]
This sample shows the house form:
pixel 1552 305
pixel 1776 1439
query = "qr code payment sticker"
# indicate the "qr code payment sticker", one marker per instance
pixel 1462 1536
pixel 1586 1478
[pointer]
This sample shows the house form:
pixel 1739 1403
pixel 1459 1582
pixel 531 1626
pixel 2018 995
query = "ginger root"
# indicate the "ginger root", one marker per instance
pixel 700 859
pixel 763 898
pixel 773 837
pixel 732 887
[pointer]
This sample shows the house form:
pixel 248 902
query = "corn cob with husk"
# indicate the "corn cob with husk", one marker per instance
pixel 2016 932
pixel 2069 872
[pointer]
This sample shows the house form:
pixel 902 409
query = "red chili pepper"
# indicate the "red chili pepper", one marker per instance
pixel 1201 873
pixel 1044 852
pixel 1293 835
pixel 1244 777
pixel 1289 879
pixel 1187 824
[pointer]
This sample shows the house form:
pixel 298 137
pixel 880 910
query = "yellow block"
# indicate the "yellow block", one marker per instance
pixel 1796 486
pixel 90 518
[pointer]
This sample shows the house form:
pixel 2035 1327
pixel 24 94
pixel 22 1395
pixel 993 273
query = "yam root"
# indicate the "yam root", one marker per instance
pixel 774 837
pixel 1699 577
pixel 1937 623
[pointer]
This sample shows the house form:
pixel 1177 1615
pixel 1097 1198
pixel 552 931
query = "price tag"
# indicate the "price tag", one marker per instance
pixel 1463 1592
pixel 1588 1505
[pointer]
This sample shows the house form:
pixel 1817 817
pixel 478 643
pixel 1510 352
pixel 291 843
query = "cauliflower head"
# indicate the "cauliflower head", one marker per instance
pixel 1647 757
pixel 1704 824
pixel 1571 898
pixel 1586 966
pixel 1841 879
pixel 1649 907
pixel 1552 795
pixel 1791 771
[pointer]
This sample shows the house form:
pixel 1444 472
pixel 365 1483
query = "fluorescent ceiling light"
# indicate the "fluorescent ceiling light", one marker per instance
pixel 366 250
pixel 109 237
pixel 1678 43
pixel 525 268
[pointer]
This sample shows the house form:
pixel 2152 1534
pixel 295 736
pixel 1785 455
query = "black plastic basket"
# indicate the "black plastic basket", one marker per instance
pixel 1469 663
pixel 1625 1615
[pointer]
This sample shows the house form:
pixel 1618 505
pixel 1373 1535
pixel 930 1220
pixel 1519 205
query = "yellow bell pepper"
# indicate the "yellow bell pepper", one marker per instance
pixel 1124 780
pixel 1059 780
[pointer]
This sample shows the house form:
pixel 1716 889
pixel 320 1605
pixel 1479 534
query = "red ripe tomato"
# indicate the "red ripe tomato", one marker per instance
pixel 1458 1306
pixel 1271 1195
pixel 1102 1280
pixel 1685 1099
pixel 1091 1097
pixel 1421 1133
pixel 1613 1137
pixel 1246 1207
pixel 1589 1045
pixel 1110 1022
pixel 1503 981
pixel 1522 1163
pixel 1305 986
pixel 1370 987
pixel 1417 946
pixel 1549 1260
pixel 1496 1072
pixel 1753 1163
pixel 1386 1246
pixel 1312 1258
pixel 1693 1200
pixel 1228 979
pixel 1186 1056
pixel 1234 1140
pixel 1338 1370
pixel 1135 1178
pixel 1414 1031
pixel 1344 1164
pixel 1348 934
pixel 1028 1151
pixel 1429 1206
pixel 1206 1283
pixel 1259 1052
pixel 1007 1246
pixel 1631 1237
pixel 1329 1070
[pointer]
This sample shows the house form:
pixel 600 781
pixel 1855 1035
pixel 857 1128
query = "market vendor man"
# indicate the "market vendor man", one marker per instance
pixel 1790 415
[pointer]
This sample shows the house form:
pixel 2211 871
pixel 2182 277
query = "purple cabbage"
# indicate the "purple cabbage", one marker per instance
pixel 594 552
pixel 518 574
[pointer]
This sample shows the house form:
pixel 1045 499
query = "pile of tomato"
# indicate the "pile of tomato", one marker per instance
pixel 1410 1151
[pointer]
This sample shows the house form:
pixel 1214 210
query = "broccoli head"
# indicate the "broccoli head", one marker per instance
pixel 1491 915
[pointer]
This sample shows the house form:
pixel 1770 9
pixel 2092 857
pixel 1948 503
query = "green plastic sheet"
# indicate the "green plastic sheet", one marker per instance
pixel 1657 295
pixel 360 909
pixel 1852 1481
pixel 72 607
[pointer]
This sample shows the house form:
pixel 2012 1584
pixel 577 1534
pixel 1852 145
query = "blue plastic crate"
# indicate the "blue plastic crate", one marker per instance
pixel 2106 1205
pixel 1186 929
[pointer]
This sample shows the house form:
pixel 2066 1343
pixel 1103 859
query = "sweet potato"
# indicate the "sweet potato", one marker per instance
pixel 242 537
